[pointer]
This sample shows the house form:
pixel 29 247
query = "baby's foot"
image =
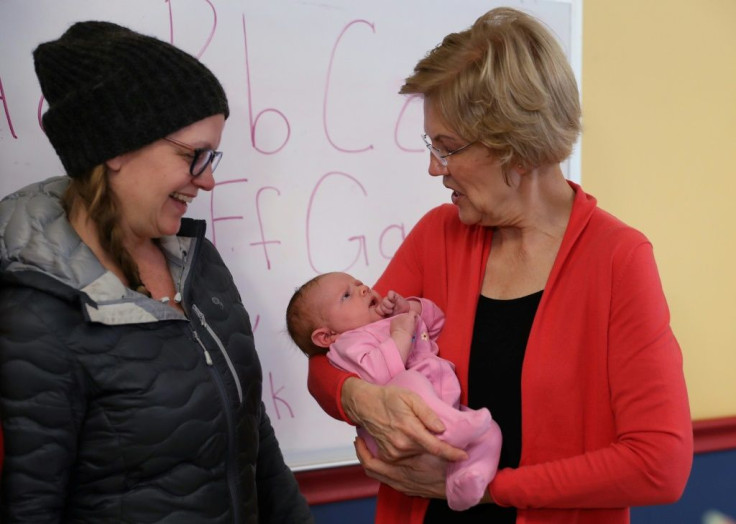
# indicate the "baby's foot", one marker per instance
pixel 465 489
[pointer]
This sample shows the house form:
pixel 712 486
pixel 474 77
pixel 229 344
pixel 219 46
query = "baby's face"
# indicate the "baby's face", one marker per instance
pixel 346 303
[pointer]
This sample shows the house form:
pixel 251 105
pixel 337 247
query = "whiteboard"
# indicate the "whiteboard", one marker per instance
pixel 323 167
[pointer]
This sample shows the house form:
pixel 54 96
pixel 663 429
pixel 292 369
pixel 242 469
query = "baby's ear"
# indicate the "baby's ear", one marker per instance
pixel 323 337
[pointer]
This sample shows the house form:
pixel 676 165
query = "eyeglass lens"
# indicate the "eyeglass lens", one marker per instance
pixel 202 158
pixel 442 158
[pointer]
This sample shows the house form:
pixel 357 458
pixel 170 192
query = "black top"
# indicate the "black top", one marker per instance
pixel 500 335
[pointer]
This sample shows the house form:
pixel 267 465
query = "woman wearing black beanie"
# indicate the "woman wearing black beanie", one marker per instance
pixel 130 387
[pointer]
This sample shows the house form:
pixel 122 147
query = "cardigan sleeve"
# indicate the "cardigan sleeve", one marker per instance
pixel 649 460
pixel 324 382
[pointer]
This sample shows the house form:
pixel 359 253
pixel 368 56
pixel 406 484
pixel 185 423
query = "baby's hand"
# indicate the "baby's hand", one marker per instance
pixel 404 324
pixel 393 304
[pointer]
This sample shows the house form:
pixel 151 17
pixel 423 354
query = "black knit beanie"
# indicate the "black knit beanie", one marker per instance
pixel 111 90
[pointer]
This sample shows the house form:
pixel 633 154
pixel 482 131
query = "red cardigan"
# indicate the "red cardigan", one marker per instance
pixel 605 414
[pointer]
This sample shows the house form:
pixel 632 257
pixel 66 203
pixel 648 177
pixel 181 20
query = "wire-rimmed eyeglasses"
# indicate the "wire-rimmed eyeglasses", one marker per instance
pixel 440 154
pixel 201 157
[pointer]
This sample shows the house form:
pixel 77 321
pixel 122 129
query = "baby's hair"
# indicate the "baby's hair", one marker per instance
pixel 301 321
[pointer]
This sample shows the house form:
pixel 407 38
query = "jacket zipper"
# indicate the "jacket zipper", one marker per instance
pixel 217 340
pixel 231 462
pixel 207 357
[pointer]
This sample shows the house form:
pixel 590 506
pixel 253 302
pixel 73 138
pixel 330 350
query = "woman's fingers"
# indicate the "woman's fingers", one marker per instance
pixel 420 476
pixel 439 448
pixel 424 414
pixel 425 432
pixel 399 420
pixel 400 433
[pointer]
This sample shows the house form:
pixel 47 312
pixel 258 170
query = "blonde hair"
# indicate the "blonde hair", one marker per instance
pixel 92 192
pixel 506 83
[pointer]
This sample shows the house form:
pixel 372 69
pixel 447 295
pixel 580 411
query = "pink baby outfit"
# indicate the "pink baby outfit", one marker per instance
pixel 370 352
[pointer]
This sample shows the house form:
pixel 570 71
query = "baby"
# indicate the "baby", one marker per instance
pixel 392 340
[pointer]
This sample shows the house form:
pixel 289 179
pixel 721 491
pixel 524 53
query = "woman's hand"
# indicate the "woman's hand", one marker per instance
pixel 419 476
pixel 399 420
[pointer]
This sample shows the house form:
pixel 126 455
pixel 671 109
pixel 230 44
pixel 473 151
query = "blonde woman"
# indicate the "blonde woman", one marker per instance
pixel 555 316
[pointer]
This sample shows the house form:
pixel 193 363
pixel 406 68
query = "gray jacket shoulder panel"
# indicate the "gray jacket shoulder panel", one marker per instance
pixel 35 235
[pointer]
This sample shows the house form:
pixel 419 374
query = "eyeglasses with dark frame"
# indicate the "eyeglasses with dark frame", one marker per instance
pixel 439 154
pixel 202 157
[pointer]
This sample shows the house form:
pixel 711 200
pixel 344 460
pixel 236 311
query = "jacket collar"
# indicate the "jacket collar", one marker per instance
pixel 38 245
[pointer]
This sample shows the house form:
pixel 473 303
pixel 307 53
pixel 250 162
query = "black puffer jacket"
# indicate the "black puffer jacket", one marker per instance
pixel 117 408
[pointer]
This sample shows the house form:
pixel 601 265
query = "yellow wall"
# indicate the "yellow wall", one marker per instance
pixel 659 152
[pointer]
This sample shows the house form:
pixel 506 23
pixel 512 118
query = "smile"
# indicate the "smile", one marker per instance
pixel 181 197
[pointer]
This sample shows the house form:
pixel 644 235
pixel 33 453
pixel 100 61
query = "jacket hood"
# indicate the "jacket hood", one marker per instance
pixel 35 235
pixel 39 248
